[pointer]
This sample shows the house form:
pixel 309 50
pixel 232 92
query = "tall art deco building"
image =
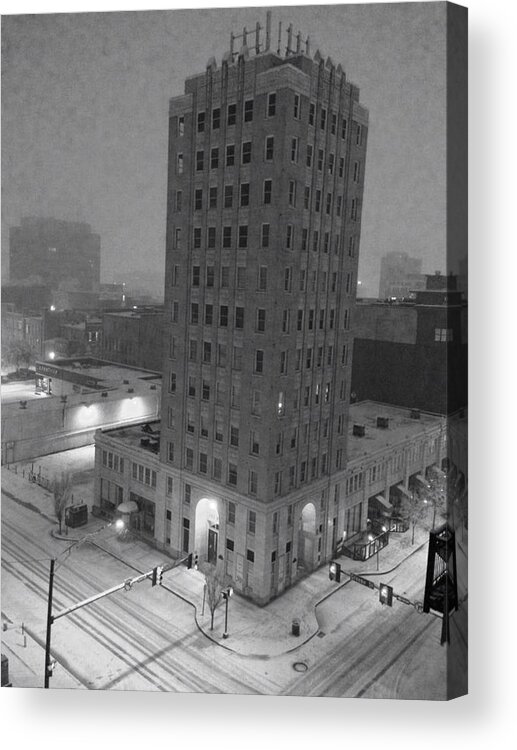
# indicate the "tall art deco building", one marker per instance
pixel 266 168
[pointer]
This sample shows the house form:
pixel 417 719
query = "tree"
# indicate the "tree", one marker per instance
pixel 414 509
pixel 62 489
pixel 16 353
pixel 215 582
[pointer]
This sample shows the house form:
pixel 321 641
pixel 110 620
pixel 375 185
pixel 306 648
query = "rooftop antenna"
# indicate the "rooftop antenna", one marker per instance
pixel 244 37
pixel 298 42
pixel 308 46
pixel 279 37
pixel 257 38
pixel 268 30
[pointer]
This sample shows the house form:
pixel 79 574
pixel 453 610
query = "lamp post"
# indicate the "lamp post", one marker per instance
pixel 49 665
pixel 226 593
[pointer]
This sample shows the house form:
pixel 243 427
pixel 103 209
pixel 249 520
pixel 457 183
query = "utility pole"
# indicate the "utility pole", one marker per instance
pixel 50 620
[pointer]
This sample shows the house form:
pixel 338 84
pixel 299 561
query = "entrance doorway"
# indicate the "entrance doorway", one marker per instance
pixel 213 534
pixel 206 530
pixel 307 537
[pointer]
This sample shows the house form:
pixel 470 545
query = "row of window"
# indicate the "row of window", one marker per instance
pixel 143 474
pixel 317 115
pixel 112 461
pixel 265 235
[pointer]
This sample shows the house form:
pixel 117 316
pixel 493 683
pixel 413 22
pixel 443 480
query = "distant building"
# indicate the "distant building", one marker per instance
pixel 56 251
pixel 134 337
pixel 413 354
pixel 75 299
pixel 400 274
pixel 27 296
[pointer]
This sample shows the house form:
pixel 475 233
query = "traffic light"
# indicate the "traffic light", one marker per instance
pixel 157 575
pixel 386 594
pixel 192 560
pixel 335 571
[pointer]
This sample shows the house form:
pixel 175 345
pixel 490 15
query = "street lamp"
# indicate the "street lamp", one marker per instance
pixel 226 593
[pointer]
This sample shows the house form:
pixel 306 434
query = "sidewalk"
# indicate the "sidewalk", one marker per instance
pixel 255 631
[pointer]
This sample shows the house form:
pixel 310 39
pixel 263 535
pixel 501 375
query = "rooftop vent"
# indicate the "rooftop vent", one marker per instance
pixel 104 394
pixel 383 423
pixel 125 382
pixel 130 390
pixel 358 430
pixel 415 414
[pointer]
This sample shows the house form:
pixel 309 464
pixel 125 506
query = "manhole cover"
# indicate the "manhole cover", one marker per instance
pixel 300 666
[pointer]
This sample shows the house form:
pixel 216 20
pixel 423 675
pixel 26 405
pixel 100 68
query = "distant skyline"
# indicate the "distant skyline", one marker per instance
pixel 85 119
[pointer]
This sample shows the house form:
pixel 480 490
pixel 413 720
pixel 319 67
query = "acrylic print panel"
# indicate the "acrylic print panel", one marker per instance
pixel 234 351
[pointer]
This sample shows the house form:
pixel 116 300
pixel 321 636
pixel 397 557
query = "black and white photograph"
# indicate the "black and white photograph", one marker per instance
pixel 234 351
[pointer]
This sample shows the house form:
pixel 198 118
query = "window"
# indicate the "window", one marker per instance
pixel 348 284
pixel 221 355
pixel 248 110
pixel 288 273
pixel 357 170
pixel 209 314
pixel 195 275
pixel 308 159
pixel 212 197
pixel 245 194
pixel 331 163
pixel 239 317
pixel 236 395
pixel 200 161
pixel 269 148
pixel 312 113
pixel 317 202
pixel 252 482
pixel 234 436
pixel 343 128
pixel 225 275
pixel 216 118
pixel 328 207
pixel 308 358
pixel 227 240
pixel 203 463
pixel 303 279
pixel 307 197
pixel 280 407
pixel 223 315
pixel 243 235
pixel 211 237
pixel 205 391
pixel 358 135
pixel 228 196
pixel 181 126
pixel 230 513
pixel 198 199
pixel 231 114
pixel 250 556
pixel 339 205
pixel 299 323
pixel 443 334
pixel 207 352
pixel 230 155
pixel 254 443
pixel 255 403
pixel 353 210
pixel 330 355
pixel 294 149
pixel 289 232
pixel 305 236
pixel 268 187
pixel 333 125
pixel 241 277
pixel 271 105
pixel 278 483
pixel 261 320
pixel 297 107
pixel 259 360
pixel 172 382
pixel 194 313
pixel 326 242
pixel 197 237
pixel 177 237
pixel 189 458
pixel 246 152
pixel 179 164
pixel 214 158
pixel 346 319
pixel 315 240
pixel 179 200
pixel 204 426
pixel 286 319
pixel 262 279
pixel 321 159
pixel 175 312
pixel 232 474
pixel 265 235
pixel 292 193
pixel 323 118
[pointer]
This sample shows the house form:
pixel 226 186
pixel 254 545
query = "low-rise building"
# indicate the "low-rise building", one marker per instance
pixel 267 548
pixel 134 337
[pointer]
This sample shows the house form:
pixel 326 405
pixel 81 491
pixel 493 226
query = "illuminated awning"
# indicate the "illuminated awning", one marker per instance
pixel 403 489
pixel 384 502
pixel 128 507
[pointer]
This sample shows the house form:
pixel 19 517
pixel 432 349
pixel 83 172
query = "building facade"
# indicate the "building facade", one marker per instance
pixel 414 354
pixel 134 337
pixel 266 172
pixel 55 251
pixel 400 275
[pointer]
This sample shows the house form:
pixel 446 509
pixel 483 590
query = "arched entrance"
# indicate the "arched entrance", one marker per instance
pixel 206 532
pixel 307 537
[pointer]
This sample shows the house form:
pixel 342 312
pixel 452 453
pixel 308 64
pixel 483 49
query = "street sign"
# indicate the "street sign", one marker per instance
pixel 362 581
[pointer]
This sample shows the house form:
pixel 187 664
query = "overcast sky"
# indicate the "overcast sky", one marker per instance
pixel 84 119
